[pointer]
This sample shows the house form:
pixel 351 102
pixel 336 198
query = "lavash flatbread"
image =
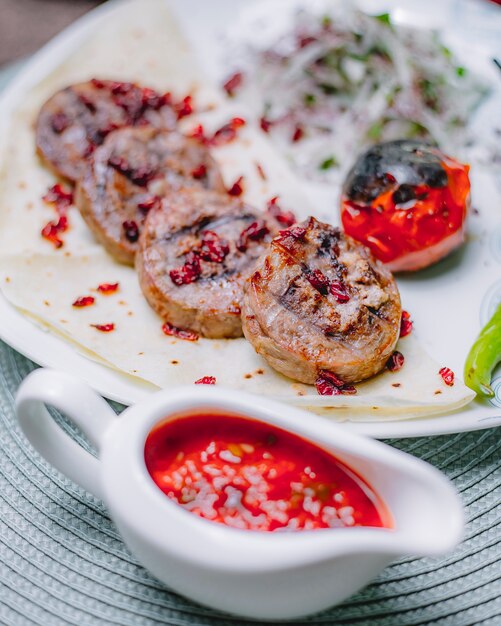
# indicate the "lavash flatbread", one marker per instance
pixel 140 41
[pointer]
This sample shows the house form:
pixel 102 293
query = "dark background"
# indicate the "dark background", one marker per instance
pixel 25 25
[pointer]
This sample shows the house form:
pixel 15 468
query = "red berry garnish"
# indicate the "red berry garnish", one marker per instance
pixel 338 290
pixel 254 232
pixel 60 196
pixel 228 132
pixel 108 288
pixel 83 301
pixel 298 134
pixel 318 280
pixel 265 124
pixel 59 122
pixel 447 376
pixel 184 108
pixel 233 83
pixel 149 203
pixel 51 231
pixel 187 273
pixel 329 384
pixel 406 324
pixel 237 188
pixel 180 333
pixel 213 248
pixel 206 380
pixel 198 133
pixel 199 172
pixel 395 362
pixel 131 230
pixel 286 218
pixel 104 328
pixel 325 388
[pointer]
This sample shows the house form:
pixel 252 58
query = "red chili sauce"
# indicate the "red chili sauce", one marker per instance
pixel 254 476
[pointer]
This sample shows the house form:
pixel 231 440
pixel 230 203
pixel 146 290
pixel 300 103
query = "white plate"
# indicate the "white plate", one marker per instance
pixel 448 302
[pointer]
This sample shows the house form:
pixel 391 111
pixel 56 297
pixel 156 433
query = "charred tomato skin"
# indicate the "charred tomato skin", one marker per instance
pixel 407 201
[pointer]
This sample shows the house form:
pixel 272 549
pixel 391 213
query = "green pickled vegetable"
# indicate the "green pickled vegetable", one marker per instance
pixel 484 355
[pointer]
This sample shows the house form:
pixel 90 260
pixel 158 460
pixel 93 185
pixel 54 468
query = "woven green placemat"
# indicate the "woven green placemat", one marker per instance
pixel 62 561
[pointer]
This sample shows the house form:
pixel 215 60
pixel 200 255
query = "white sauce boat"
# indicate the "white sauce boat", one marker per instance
pixel 261 575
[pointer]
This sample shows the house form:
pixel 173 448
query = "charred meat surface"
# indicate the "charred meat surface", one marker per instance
pixel 130 174
pixel 195 254
pixel 319 301
pixel 77 119
pixel 407 201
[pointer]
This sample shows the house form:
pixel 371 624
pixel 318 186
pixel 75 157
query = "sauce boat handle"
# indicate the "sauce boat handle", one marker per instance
pixel 84 407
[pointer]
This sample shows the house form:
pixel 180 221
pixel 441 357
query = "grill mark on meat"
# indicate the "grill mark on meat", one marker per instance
pixel 213 222
pixel 300 329
pixel 209 300
pixel 134 169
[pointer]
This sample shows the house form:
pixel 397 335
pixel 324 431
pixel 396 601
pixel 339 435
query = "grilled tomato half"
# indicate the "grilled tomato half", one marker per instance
pixel 407 201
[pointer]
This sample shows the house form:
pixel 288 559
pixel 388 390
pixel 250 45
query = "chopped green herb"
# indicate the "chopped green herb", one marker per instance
pixel 309 99
pixel 329 163
pixel 375 130
pixel 461 71
pixel 326 21
pixel 447 53
pixel 384 18
pixel 416 129
pixel 328 89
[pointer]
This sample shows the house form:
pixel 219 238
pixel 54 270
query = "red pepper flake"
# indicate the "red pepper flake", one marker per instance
pixel 187 273
pixel 265 124
pixel 286 218
pixel 108 288
pixel 254 232
pixel 228 132
pixel 131 230
pixel 199 172
pixel 149 203
pixel 328 384
pixel 447 376
pixel 406 324
pixel 51 231
pixel 237 188
pixel 104 328
pixel 318 280
pixel 206 380
pixel 184 108
pixel 233 83
pixel 60 196
pixel 298 134
pixel 338 290
pixel 180 333
pixel 59 122
pixel 395 362
pixel 213 248
pixel 83 301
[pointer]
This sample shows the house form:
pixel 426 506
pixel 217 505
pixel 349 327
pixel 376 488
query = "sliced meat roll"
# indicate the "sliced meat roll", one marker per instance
pixel 318 301
pixel 129 174
pixel 194 257
pixel 75 120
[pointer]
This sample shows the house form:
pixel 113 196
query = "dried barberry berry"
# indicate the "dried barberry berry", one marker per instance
pixel 180 333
